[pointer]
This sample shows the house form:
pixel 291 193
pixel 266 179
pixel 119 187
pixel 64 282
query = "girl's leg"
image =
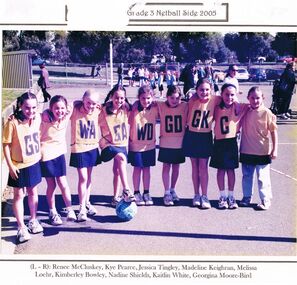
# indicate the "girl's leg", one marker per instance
pixel 247 180
pixel 33 225
pixel 231 182
pixel 166 176
pixel 82 189
pixel 221 181
pixel 65 190
pixel 50 192
pixel 116 179
pixel 174 175
pixel 203 174
pixel 18 206
pixel 195 175
pixel 136 178
pixel 264 185
pixel 89 184
pixel 146 178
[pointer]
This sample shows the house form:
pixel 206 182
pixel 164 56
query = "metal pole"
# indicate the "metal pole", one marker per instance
pixel 111 63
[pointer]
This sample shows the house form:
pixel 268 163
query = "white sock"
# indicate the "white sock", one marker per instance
pixel 222 194
pixel 172 190
pixel 167 192
pixel 230 193
pixel 53 211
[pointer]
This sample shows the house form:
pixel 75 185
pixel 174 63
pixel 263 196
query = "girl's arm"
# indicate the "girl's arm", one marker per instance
pixel 274 138
pixel 13 170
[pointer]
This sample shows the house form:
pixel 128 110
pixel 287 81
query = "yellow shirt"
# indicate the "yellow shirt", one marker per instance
pixel 227 121
pixel 84 130
pixel 53 138
pixel 24 140
pixel 143 129
pixel 114 128
pixel 172 124
pixel 256 127
pixel 200 115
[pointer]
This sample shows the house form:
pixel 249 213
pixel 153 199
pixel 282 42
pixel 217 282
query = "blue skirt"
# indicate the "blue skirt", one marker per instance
pixel 85 159
pixel 143 158
pixel 225 154
pixel 53 168
pixel 28 177
pixel 110 152
pixel 197 145
pixel 171 155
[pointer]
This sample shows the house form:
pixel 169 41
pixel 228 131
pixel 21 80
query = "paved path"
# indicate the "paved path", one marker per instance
pixel 178 230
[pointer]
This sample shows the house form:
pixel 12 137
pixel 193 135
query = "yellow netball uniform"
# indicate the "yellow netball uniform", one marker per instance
pixel 53 138
pixel 24 140
pixel 143 129
pixel 201 115
pixel 173 124
pixel 227 121
pixel 256 127
pixel 84 130
pixel 114 128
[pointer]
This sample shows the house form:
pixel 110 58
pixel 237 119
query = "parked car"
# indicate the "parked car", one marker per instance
pixel 273 74
pixel 242 74
pixel 257 74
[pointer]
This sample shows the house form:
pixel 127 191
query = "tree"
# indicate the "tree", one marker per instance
pixel 285 44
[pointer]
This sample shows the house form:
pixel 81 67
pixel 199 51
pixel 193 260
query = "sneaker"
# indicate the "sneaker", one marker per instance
pixel 223 203
pixel 148 199
pixel 264 205
pixel 245 202
pixel 196 200
pixel 283 117
pixel 288 115
pixel 71 216
pixel 168 200
pixel 91 210
pixel 138 199
pixel 174 196
pixel 35 227
pixel 23 235
pixel 128 196
pixel 232 203
pixel 115 201
pixel 55 219
pixel 82 215
pixel 205 204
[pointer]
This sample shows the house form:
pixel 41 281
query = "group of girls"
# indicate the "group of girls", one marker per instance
pixel 128 135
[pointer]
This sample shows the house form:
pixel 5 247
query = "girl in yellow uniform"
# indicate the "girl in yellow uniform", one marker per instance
pixel 225 153
pixel 53 148
pixel 198 141
pixel 142 142
pixel 173 116
pixel 84 148
pixel 114 127
pixel 21 148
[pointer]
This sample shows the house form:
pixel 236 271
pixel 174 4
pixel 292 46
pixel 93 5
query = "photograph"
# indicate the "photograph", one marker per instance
pixel 163 150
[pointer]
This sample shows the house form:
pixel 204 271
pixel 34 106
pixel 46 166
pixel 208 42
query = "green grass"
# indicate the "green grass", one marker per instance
pixel 8 96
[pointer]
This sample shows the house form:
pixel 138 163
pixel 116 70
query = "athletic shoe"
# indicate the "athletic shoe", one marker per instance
pixel 196 200
pixel 205 204
pixel 148 199
pixel 245 202
pixel 223 203
pixel 55 219
pixel 138 199
pixel 264 205
pixel 288 115
pixel 174 196
pixel 82 215
pixel 232 203
pixel 35 227
pixel 128 196
pixel 91 210
pixel 168 200
pixel 71 216
pixel 115 201
pixel 23 235
pixel 283 117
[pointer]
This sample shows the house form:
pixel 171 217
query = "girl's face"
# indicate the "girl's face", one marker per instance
pixel 256 99
pixel 145 100
pixel 59 110
pixel 118 99
pixel 203 91
pixel 90 103
pixel 173 100
pixel 228 96
pixel 29 108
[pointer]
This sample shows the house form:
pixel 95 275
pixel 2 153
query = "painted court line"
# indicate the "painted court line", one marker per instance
pixel 282 173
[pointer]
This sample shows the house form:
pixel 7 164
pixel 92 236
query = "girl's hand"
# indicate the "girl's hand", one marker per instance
pixel 273 154
pixel 45 116
pixel 13 172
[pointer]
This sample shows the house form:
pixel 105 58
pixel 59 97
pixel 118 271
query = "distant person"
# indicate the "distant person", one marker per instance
pixel 43 82
pixel 285 90
pixel 231 76
pixel 98 69
pixel 188 78
pixel 120 72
